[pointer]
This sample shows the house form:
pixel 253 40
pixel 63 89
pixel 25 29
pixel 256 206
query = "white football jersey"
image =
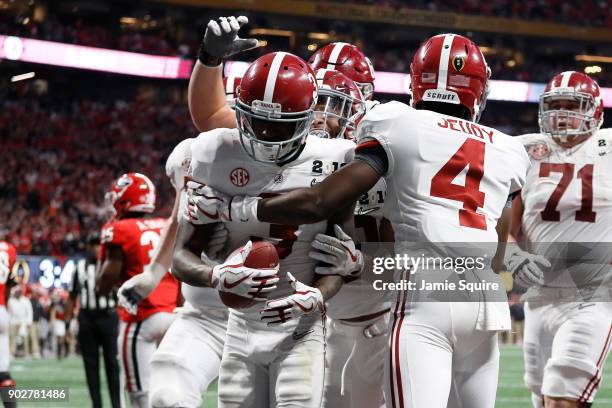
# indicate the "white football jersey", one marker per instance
pixel 219 160
pixel 568 198
pixel 448 179
pixel 358 297
pixel 176 169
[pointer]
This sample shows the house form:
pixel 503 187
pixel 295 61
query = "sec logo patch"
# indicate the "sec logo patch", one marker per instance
pixel 239 177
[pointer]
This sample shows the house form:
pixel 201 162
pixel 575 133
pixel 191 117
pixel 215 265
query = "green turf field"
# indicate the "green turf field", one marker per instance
pixel 69 373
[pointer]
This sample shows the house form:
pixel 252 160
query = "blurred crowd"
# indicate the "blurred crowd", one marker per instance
pixel 40 325
pixel 58 159
pixel 159 42
pixel 572 12
pixel 510 59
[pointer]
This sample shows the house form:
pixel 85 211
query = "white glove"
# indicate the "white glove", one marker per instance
pixel 221 40
pixel 305 300
pixel 339 252
pixel 525 267
pixel 233 277
pixel 206 205
pixel 139 287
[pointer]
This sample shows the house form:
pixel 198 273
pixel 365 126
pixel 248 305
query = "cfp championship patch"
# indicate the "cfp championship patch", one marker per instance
pixel 539 151
pixel 458 62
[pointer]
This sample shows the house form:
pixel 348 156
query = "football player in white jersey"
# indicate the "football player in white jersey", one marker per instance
pixel 274 351
pixel 188 358
pixel 355 367
pixel 566 199
pixel 441 353
pixel 358 316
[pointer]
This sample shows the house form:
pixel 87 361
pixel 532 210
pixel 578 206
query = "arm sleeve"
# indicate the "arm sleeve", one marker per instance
pixel 371 152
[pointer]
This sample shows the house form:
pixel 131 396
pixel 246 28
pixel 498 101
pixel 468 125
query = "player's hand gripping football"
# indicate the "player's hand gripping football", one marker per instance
pixel 339 252
pixel 221 40
pixel 305 300
pixel 207 205
pixel 233 277
pixel 526 268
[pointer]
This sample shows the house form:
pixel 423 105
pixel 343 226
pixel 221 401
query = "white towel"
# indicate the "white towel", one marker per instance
pixel 493 316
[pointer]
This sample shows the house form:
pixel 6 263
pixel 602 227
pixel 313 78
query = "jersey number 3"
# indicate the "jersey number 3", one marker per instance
pixel 585 174
pixel 471 153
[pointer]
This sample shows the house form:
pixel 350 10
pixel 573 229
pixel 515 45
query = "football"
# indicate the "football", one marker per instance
pixel 262 255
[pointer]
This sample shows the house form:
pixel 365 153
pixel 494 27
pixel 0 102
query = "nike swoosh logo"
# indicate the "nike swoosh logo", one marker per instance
pixel 353 257
pixel 298 336
pixel 369 210
pixel 230 285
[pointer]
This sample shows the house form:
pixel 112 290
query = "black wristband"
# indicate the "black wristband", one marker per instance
pixel 207 59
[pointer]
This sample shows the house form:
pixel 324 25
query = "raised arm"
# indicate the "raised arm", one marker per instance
pixel 206 96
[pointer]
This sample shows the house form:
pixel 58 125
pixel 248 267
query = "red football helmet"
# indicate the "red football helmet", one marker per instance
pixel 450 68
pixel 231 84
pixel 339 106
pixel 349 60
pixel 274 108
pixel 132 192
pixel 583 110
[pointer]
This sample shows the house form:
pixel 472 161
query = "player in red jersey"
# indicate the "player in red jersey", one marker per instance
pixel 129 241
pixel 8 254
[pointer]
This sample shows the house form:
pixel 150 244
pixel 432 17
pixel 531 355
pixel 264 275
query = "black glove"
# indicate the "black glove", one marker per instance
pixel 221 40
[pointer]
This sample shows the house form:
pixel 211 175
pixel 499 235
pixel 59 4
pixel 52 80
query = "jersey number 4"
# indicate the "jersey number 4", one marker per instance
pixel 585 174
pixel 471 153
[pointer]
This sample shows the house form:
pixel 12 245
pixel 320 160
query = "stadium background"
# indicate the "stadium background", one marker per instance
pixel 76 112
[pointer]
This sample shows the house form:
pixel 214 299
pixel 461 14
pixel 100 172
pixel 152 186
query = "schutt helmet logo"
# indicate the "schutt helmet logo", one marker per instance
pixel 458 63
pixel 239 177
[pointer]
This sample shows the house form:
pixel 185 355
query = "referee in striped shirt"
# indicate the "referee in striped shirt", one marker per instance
pixel 98 325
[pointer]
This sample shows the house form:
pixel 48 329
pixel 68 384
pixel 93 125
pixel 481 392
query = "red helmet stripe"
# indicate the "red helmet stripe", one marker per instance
pixel 447 46
pixel 333 57
pixel 272 76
